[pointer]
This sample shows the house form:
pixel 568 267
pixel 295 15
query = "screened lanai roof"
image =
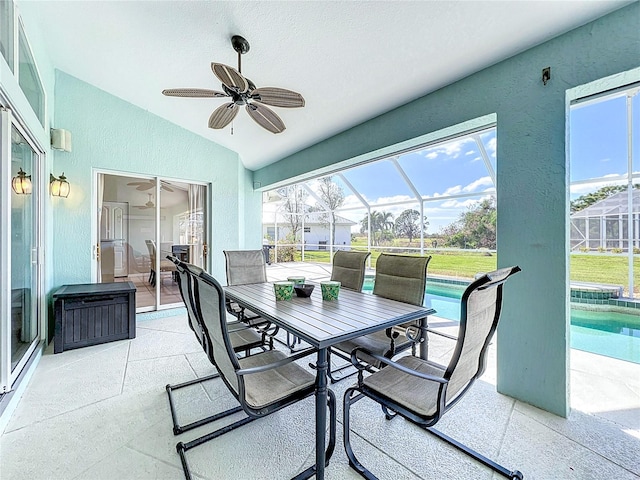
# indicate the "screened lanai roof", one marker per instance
pixel 440 179
pixel 616 204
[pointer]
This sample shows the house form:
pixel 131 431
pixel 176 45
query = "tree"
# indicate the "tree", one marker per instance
pixel 476 227
pixel 381 226
pixel 589 199
pixel 294 206
pixel 333 196
pixel 407 224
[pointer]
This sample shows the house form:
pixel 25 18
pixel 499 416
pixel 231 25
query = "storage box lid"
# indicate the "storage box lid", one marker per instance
pixel 94 289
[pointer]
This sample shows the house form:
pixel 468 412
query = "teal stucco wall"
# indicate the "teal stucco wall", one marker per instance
pixel 532 182
pixel 109 133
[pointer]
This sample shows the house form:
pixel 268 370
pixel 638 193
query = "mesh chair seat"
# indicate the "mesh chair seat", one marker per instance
pixel 421 397
pixel 266 388
pixel 244 338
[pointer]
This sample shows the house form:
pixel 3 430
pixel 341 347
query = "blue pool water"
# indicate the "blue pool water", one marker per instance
pixel 606 333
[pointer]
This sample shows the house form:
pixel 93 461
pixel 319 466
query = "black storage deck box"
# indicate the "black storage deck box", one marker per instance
pixel 89 314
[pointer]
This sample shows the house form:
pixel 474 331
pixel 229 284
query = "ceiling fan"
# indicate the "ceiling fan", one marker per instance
pixel 242 91
pixel 147 184
pixel 149 204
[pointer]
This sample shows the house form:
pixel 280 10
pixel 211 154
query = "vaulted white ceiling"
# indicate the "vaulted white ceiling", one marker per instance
pixel 351 60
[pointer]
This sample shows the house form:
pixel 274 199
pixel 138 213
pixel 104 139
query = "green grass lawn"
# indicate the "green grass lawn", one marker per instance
pixel 608 269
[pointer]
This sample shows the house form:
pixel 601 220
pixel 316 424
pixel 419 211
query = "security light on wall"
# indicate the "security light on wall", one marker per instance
pixel 61 139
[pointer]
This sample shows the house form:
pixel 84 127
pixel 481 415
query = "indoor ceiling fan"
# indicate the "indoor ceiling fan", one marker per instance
pixel 242 91
pixel 147 184
pixel 149 204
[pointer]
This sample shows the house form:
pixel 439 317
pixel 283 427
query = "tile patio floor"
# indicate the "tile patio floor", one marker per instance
pixel 102 413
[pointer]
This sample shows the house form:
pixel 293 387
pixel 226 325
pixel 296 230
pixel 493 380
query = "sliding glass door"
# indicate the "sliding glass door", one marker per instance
pixel 20 320
pixel 140 221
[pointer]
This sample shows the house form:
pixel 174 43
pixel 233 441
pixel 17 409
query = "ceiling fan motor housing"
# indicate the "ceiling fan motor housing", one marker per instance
pixel 240 44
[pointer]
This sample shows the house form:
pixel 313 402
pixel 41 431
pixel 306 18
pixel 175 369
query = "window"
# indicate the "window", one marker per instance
pixel 437 196
pixel 7 32
pixel 605 190
pixel 28 77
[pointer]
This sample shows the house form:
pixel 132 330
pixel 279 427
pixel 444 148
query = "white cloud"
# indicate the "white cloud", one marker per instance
pixel 470 152
pixel 455 203
pixel 483 181
pixel 452 190
pixel 451 150
pixel 393 199
pixel 605 159
pixel 491 147
pixel 578 190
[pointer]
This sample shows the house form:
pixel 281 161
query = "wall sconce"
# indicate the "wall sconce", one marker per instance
pixel 61 139
pixel 59 186
pixel 21 183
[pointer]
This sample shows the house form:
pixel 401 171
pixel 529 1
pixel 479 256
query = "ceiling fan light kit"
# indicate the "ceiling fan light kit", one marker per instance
pixel 242 92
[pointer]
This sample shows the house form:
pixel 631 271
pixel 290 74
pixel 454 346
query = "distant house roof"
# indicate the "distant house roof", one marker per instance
pixel 616 204
pixel 315 218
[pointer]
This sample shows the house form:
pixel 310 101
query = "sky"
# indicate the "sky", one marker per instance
pixel 598 142
pixel 598 149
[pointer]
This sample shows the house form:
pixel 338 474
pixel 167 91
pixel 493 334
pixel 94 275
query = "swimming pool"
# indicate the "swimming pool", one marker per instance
pixel 606 333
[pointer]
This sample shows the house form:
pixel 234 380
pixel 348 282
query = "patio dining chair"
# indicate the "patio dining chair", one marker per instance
pixel 165 265
pixel 348 268
pixel 243 339
pixel 398 277
pixel 422 391
pixel 245 267
pixel 262 384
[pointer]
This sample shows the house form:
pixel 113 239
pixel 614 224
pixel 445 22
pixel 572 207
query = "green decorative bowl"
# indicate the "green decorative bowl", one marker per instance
pixel 296 280
pixel 283 290
pixel 330 290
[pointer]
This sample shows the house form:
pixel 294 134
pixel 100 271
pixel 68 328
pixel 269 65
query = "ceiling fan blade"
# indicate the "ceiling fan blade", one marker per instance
pixel 278 97
pixel 223 115
pixel 266 118
pixel 144 187
pixel 230 77
pixel 193 92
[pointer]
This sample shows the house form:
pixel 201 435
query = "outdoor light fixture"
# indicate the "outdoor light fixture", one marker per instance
pixel 59 186
pixel 21 183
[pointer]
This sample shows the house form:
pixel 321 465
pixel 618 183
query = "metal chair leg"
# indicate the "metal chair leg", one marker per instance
pixel 362 470
pixel 353 461
pixel 177 428
pixel 182 448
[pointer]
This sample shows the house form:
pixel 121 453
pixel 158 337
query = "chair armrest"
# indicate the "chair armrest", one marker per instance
pixel 279 363
pixel 393 364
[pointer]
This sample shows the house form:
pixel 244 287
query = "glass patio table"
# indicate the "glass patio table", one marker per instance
pixel 323 324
